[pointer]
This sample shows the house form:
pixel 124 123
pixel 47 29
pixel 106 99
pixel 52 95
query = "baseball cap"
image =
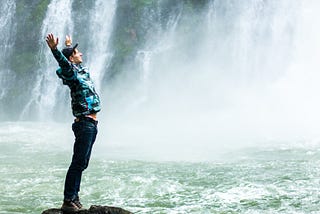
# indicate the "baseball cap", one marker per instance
pixel 68 51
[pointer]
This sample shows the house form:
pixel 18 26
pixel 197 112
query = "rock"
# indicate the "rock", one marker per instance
pixel 94 209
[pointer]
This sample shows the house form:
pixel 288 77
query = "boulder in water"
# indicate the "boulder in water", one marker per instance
pixel 94 209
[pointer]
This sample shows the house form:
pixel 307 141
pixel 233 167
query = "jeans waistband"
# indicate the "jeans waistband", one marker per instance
pixel 89 119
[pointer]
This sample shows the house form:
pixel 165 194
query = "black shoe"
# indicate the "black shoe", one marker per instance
pixel 69 206
pixel 77 202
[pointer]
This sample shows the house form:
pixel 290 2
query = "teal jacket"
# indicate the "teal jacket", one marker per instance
pixel 84 98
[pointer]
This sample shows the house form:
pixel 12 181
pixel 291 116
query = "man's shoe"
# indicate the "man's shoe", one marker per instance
pixel 77 202
pixel 69 206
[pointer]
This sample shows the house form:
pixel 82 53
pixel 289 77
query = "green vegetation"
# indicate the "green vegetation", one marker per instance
pixel 23 57
pixel 136 20
pixel 29 20
pixel 38 13
pixel 142 3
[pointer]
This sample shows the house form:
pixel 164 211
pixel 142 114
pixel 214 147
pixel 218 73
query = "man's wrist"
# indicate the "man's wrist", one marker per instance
pixel 54 49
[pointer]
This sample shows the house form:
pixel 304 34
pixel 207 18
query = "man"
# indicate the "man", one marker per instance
pixel 85 105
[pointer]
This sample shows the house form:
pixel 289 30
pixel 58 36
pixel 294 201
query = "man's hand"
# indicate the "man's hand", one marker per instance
pixel 68 41
pixel 52 42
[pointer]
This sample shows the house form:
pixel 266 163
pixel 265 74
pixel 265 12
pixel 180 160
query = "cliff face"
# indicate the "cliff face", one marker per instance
pixel 110 33
pixel 93 210
pixel 134 48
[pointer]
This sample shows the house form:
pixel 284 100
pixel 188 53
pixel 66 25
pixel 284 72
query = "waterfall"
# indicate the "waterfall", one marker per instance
pixel 224 75
pixel 100 30
pixel 44 95
pixel 160 41
pixel 7 29
pixel 189 68
pixel 48 96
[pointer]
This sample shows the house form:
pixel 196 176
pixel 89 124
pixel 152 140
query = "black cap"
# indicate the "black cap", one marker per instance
pixel 68 51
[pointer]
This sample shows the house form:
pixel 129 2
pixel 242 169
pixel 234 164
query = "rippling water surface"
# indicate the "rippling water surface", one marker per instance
pixel 33 163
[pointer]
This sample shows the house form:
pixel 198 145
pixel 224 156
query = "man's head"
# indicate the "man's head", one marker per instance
pixel 73 54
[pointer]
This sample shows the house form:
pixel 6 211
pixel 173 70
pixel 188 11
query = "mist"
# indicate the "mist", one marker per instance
pixel 176 79
pixel 242 75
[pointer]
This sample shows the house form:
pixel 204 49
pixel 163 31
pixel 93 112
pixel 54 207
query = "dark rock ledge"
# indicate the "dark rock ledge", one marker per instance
pixel 94 209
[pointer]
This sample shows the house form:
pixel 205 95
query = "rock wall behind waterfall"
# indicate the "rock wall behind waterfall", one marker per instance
pixel 159 57
pixel 110 35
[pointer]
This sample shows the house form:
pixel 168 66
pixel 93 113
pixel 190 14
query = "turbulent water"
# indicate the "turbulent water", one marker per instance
pixel 208 106
pixel 34 160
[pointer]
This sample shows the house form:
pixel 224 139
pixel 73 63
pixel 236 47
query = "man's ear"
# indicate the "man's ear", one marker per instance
pixel 71 58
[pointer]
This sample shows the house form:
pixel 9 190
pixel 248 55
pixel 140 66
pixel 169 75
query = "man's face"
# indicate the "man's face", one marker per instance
pixel 76 57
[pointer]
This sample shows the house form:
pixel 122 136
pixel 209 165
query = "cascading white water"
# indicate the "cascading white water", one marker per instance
pixel 44 95
pixel 100 30
pixel 48 95
pixel 232 72
pixel 7 29
pixel 202 76
pixel 238 78
pixel 160 41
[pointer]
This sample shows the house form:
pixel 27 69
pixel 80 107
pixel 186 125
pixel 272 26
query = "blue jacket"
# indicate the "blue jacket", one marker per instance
pixel 84 98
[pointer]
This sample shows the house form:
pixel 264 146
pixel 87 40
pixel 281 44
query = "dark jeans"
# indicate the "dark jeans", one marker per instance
pixel 85 132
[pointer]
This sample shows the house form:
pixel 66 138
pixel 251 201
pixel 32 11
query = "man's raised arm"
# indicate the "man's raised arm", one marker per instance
pixel 61 59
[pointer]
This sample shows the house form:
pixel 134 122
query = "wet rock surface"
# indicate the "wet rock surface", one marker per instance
pixel 94 209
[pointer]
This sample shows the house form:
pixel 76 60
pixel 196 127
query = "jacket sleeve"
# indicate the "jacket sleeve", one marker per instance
pixel 65 65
